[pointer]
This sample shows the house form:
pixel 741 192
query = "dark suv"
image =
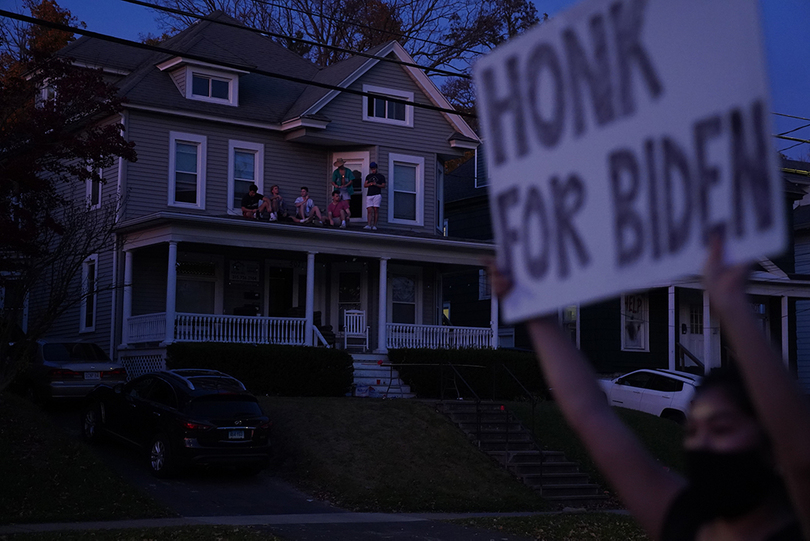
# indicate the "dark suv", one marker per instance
pixel 180 418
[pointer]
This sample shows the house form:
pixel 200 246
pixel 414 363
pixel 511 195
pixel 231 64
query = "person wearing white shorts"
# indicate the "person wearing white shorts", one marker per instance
pixel 375 182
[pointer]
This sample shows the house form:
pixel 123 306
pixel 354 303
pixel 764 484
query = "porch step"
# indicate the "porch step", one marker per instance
pixel 375 377
pixel 496 432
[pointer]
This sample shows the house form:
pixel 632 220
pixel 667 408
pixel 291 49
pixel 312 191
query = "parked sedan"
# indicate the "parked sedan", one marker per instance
pixel 664 393
pixel 63 369
pixel 180 418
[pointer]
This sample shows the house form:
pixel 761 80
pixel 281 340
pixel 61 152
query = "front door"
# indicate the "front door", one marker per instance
pixel 349 291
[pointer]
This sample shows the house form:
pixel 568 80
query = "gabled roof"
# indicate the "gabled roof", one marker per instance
pixel 262 99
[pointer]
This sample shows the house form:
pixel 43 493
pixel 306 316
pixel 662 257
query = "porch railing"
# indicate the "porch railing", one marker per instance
pixel 401 335
pixel 147 328
pixel 215 328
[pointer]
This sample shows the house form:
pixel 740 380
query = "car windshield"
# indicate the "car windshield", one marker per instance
pixel 69 352
pixel 224 406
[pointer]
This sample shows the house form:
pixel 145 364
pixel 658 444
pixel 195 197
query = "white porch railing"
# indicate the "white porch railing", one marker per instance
pixel 214 328
pixel 147 328
pixel 239 329
pixel 400 335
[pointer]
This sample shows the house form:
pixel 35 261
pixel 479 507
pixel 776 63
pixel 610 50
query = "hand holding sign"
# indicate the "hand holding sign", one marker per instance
pixel 620 136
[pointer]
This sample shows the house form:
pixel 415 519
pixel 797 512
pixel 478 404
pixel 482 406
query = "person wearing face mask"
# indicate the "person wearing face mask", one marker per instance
pixel 747 438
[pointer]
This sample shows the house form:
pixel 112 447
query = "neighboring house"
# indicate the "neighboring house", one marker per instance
pixel 667 326
pixel 191 268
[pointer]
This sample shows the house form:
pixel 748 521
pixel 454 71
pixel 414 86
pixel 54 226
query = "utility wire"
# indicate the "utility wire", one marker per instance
pixel 200 58
pixel 795 129
pixel 791 116
pixel 300 40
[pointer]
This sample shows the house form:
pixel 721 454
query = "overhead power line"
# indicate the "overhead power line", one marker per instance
pixel 200 58
pixel 300 40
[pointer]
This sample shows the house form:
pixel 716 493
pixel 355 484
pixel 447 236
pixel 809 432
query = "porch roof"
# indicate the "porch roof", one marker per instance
pixel 163 227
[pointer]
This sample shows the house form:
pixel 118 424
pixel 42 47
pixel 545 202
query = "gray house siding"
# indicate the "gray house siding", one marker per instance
pixel 288 165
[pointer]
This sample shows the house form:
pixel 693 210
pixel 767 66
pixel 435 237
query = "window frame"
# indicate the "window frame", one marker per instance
pixel 414 274
pixel 419 163
pixel 643 318
pixel 201 142
pixel 258 169
pixel 89 297
pixel 233 85
pixel 384 93
pixel 88 191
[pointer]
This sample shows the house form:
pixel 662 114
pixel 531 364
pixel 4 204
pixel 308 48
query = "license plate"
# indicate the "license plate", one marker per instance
pixel 236 434
pixel 92 375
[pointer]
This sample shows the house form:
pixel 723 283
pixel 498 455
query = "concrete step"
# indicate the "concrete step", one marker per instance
pixel 573 501
pixel 530 468
pixel 504 446
pixel 549 479
pixel 497 436
pixel 492 426
pixel 578 490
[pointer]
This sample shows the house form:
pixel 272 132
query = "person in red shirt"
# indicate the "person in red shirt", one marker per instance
pixel 338 210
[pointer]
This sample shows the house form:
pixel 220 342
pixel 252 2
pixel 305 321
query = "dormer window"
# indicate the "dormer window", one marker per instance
pixel 204 82
pixel 380 107
pixel 210 87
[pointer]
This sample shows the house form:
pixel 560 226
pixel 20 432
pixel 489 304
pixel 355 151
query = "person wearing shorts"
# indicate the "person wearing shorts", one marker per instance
pixel 374 184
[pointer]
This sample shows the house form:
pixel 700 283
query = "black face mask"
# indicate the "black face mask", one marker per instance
pixel 729 485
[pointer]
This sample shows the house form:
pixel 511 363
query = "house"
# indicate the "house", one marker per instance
pixel 208 120
pixel 665 326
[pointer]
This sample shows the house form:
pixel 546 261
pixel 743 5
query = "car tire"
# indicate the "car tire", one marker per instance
pixel 162 462
pixel 92 424
pixel 674 415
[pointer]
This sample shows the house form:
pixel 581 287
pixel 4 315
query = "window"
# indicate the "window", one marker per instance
pixel 403 299
pixel 89 288
pixel 211 86
pixel 635 328
pixel 93 191
pixel 406 188
pixel 196 287
pixel 380 107
pixel 696 318
pixel 636 379
pixel 245 167
pixel 484 285
pixel 187 170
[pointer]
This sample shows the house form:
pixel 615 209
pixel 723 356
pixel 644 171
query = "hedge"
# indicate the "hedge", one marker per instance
pixel 271 369
pixel 428 373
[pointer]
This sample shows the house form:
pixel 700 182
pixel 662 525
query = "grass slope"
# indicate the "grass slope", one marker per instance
pixel 47 476
pixel 389 455
pixel 565 527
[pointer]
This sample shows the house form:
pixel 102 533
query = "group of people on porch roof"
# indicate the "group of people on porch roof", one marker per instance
pixel 338 213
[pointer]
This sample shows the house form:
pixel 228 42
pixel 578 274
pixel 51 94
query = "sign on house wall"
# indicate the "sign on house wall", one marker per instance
pixel 620 135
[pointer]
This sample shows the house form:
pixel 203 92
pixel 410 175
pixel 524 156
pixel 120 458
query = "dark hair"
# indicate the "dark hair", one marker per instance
pixel 253 188
pixel 305 188
pixel 274 186
pixel 336 192
pixel 730 381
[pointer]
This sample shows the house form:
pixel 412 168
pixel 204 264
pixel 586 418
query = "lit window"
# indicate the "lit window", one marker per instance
pixel 406 199
pixel 187 170
pixel 89 289
pixel 246 166
pixel 635 327
pixel 381 107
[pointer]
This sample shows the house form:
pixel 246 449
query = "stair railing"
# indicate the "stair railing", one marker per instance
pixel 458 376
pixel 532 398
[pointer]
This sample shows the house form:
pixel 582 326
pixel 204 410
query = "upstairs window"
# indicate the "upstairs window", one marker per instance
pixel 406 189
pixel 246 167
pixel 187 158
pixel 381 108
pixel 210 87
pixel 93 191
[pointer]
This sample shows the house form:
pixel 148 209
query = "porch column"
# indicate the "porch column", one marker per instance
pixel 171 293
pixel 672 331
pixel 708 336
pixel 127 308
pixel 382 327
pixel 785 334
pixel 493 316
pixel 310 302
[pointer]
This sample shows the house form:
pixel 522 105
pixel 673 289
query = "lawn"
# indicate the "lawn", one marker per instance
pixel 180 533
pixel 565 527
pixel 51 477
pixel 389 455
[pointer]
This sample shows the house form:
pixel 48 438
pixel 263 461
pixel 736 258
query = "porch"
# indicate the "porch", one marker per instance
pixel 187 327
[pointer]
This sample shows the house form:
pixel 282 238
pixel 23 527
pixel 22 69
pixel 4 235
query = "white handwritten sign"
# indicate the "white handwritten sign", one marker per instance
pixel 619 136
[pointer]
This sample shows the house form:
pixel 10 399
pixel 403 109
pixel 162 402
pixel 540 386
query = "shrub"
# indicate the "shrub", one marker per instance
pixel 271 369
pixel 430 375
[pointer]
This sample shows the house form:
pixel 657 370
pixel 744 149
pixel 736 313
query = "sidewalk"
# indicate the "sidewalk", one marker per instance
pixel 343 519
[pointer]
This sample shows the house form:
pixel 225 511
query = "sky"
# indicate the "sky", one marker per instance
pixel 785 27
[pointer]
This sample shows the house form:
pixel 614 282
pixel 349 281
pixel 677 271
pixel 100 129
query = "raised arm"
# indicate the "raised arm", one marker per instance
pixel 781 408
pixel 643 485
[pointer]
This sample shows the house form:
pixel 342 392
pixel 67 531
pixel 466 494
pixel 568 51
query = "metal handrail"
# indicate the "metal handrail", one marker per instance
pixel 526 392
pixel 472 391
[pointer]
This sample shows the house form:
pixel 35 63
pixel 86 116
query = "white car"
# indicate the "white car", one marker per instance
pixel 663 393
